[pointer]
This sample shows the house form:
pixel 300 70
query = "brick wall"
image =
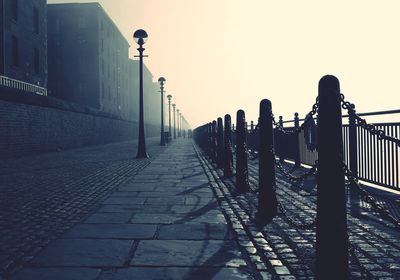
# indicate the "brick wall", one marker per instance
pixel 32 124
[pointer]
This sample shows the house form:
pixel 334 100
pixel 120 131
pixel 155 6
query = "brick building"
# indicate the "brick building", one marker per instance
pixel 23 41
pixel 89 62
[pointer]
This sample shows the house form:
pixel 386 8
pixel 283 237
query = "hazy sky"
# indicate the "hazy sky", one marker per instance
pixel 219 56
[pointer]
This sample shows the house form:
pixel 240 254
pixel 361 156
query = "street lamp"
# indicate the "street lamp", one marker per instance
pixel 140 37
pixel 161 81
pixel 174 106
pixel 177 120
pixel 182 132
pixel 169 96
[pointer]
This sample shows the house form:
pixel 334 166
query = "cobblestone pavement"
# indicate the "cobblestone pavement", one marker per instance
pixel 43 196
pixel 292 236
pixel 165 222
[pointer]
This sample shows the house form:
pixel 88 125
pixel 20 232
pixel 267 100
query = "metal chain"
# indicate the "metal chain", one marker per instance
pixel 363 123
pixel 313 111
pixel 310 114
pixel 370 199
pixel 310 172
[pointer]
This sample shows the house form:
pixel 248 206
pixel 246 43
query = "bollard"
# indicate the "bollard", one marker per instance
pixel 267 202
pixel 251 126
pixel 331 233
pixel 220 143
pixel 228 156
pixel 209 140
pixel 354 195
pixel 297 145
pixel 214 142
pixel 242 174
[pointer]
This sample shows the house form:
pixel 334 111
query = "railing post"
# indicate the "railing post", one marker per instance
pixel 354 195
pixel 267 202
pixel 297 147
pixel 220 143
pixel 331 232
pixel 242 175
pixel 280 135
pixel 251 126
pixel 228 157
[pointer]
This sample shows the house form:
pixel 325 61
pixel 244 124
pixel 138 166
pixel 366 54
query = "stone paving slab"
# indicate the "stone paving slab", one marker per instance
pixel 129 208
pixel 195 232
pixel 84 252
pixel 177 273
pixel 113 231
pixel 58 273
pixel 187 253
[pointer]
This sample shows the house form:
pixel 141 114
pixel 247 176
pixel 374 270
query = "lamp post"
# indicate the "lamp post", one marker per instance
pixel 174 106
pixel 169 96
pixel 177 120
pixel 140 37
pixel 183 127
pixel 161 81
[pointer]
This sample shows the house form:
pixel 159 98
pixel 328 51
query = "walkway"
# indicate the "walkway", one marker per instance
pixel 162 223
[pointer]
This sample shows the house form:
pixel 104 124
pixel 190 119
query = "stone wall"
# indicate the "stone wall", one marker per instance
pixel 33 124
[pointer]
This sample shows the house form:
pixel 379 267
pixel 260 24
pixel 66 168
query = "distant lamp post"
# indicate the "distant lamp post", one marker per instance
pixel 140 37
pixel 169 96
pixel 161 81
pixel 177 121
pixel 180 125
pixel 174 107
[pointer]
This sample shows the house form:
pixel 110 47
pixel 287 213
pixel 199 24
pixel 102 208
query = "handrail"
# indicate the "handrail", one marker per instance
pixel 376 113
pixel 17 84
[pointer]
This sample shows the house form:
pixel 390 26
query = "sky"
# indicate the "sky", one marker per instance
pixel 219 56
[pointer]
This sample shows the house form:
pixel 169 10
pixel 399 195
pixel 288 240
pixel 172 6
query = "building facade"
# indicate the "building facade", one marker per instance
pixel 89 60
pixel 23 41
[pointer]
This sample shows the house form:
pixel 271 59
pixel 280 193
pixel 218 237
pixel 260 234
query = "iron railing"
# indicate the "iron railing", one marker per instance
pixel 377 159
pixel 12 83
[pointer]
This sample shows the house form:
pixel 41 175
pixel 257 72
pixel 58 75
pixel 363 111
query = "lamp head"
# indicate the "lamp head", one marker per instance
pixel 140 36
pixel 161 81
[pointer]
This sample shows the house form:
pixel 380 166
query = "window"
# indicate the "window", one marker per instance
pixel 36 63
pixel 14 51
pixel 35 20
pixel 14 9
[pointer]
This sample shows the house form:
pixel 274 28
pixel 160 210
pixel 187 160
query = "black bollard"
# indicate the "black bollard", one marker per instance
pixel 297 142
pixel 331 233
pixel 267 202
pixel 251 126
pixel 214 141
pixel 220 143
pixel 228 156
pixel 209 139
pixel 242 174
